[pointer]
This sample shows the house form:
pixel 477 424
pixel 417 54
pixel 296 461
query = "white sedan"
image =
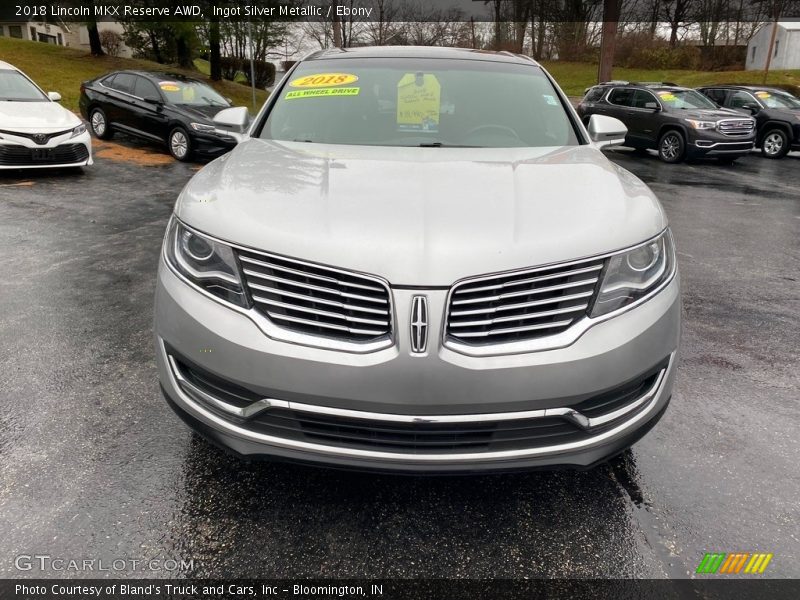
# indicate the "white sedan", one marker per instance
pixel 35 130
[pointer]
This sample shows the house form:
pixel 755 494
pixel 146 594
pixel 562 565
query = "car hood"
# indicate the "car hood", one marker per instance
pixel 711 113
pixel 421 216
pixel 36 116
pixel 203 114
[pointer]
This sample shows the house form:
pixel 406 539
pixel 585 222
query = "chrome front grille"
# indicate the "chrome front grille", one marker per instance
pixel 317 300
pixel 737 127
pixel 522 305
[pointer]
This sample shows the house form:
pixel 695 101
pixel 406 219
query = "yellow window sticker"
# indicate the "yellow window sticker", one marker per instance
pixel 318 80
pixel 763 95
pixel 418 102
pixel 667 96
pixel 169 86
pixel 324 92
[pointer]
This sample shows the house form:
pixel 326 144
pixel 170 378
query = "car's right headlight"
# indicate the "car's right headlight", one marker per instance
pixel 636 273
pixel 207 263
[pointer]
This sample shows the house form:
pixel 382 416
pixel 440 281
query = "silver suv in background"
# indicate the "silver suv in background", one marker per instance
pixel 420 260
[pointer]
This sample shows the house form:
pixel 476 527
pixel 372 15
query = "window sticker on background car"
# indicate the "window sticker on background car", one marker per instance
pixel 763 95
pixel 667 96
pixel 169 86
pixel 418 102
pixel 322 93
pixel 318 80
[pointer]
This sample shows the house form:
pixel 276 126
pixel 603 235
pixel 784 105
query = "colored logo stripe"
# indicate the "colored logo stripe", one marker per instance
pixel 724 563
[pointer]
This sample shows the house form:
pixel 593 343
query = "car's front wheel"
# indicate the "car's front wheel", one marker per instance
pixel 775 144
pixel 99 124
pixel 671 147
pixel 179 145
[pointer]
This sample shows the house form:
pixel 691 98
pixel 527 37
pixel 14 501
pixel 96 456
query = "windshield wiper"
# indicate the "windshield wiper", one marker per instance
pixel 443 145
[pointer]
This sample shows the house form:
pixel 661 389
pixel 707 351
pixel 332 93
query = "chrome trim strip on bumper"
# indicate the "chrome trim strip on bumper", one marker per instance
pixel 648 400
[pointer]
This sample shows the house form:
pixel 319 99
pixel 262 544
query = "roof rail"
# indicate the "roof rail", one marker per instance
pixel 652 83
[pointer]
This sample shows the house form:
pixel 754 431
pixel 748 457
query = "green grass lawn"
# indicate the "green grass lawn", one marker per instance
pixel 574 78
pixel 203 66
pixel 59 69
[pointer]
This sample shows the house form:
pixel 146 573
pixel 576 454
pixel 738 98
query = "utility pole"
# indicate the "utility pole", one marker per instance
pixel 608 41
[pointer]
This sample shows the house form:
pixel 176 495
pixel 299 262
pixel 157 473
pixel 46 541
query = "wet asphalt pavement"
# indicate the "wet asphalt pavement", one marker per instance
pixel 93 464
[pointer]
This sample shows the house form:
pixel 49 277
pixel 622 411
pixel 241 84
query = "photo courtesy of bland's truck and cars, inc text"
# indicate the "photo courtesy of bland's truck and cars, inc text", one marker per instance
pixel 398 299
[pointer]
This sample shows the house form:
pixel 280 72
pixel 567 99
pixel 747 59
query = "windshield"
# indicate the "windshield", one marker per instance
pixel 685 99
pixel 419 102
pixel 192 93
pixel 778 100
pixel 15 87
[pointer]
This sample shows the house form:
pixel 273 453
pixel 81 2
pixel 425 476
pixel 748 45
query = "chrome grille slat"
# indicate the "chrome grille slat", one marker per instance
pixel 310 275
pixel 323 313
pixel 531 280
pixel 317 300
pixel 316 288
pixel 372 332
pixel 522 305
pixel 471 334
pixel 480 311
pixel 552 288
pixel 325 301
pixel 541 315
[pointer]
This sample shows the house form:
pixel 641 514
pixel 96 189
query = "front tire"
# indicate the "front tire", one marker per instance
pixel 98 122
pixel 179 145
pixel 775 144
pixel 671 147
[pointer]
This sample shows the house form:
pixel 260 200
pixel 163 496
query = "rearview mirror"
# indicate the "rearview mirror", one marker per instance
pixel 606 131
pixel 54 96
pixel 236 118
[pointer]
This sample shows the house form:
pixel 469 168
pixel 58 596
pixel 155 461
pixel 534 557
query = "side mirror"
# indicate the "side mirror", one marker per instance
pixel 753 108
pixel 236 118
pixel 152 100
pixel 54 96
pixel 652 106
pixel 606 131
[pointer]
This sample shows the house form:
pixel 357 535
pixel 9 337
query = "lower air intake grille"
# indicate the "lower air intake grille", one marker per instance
pixel 317 300
pixel 20 156
pixel 522 305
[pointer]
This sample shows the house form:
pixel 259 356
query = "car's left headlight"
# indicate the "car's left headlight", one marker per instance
pixel 79 130
pixel 202 127
pixel 207 263
pixel 636 273
pixel 701 124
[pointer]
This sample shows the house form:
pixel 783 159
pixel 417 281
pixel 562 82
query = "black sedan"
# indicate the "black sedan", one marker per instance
pixel 163 107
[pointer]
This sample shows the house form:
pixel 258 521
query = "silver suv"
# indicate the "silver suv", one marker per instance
pixel 419 260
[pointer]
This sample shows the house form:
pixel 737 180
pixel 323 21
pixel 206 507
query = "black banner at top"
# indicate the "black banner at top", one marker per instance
pixel 640 11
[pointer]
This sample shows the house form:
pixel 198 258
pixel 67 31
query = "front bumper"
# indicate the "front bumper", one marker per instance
pixel 394 386
pixel 211 146
pixel 719 145
pixel 63 151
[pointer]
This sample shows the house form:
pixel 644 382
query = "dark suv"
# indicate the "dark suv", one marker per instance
pixel 777 114
pixel 678 122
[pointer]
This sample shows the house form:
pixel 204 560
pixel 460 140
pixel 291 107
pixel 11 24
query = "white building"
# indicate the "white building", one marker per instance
pixel 785 53
pixel 38 32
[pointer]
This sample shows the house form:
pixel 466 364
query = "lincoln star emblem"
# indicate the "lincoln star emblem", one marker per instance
pixel 419 324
